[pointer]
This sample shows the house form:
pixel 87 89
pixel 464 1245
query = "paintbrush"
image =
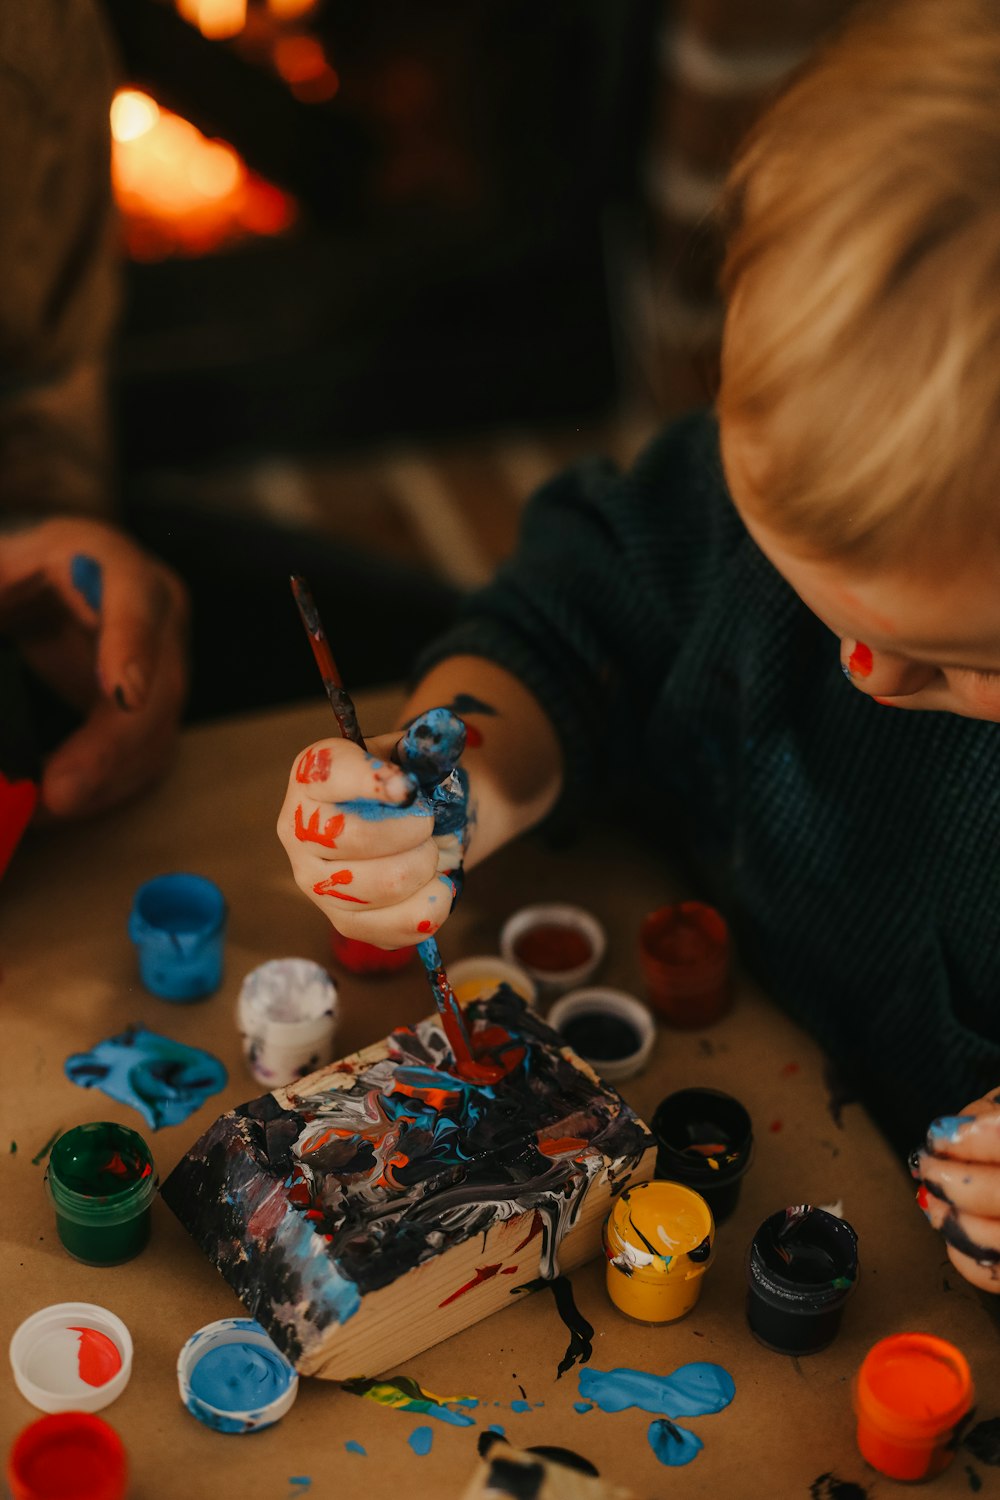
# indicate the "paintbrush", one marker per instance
pixel 430 956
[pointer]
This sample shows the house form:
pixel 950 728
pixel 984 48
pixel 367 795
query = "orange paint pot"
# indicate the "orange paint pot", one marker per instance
pixel 910 1394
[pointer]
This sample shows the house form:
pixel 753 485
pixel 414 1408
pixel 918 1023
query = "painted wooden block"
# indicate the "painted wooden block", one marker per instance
pixel 384 1203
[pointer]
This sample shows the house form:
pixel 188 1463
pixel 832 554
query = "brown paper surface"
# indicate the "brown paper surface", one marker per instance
pixel 69 979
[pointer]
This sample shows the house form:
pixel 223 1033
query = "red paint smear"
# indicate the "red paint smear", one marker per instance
pixel 509 1271
pixel 860 662
pixel 561 1146
pixel 17 804
pixel 265 1219
pixel 533 1232
pixel 776 1125
pixel 473 736
pixel 483 1273
pixel 790 1068
pixel 314 765
pixel 923 1197
pixel 99 1356
pixel 425 926
pixel 310 832
pixel 328 886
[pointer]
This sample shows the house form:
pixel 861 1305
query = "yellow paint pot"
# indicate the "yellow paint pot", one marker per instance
pixel 659 1241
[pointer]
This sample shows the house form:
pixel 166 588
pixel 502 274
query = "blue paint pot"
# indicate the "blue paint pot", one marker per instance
pixel 178 925
pixel 234 1378
pixel 801 1267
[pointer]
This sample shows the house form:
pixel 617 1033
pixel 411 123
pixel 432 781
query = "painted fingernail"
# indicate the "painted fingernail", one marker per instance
pixel 923 1200
pixel 860 661
pixel 87 577
pixel 948 1127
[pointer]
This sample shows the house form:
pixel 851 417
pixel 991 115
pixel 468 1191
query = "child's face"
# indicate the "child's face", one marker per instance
pixel 910 638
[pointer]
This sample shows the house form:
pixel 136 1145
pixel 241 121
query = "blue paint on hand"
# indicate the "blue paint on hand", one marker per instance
pixel 693 1390
pixel 420 1440
pixel 353 1447
pixel 87 577
pixel 374 811
pixel 674 1446
pixel 432 745
pixel 948 1127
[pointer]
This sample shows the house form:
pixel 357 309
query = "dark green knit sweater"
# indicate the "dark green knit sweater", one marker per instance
pixel 855 849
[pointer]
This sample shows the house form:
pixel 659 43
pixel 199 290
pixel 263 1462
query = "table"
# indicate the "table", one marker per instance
pixel 69 979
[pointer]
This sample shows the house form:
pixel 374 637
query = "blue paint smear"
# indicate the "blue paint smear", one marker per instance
pixel 164 1080
pixel 353 1447
pixel 86 576
pixel 420 1440
pixel 303 1481
pixel 240 1377
pixel 373 811
pixel 694 1390
pixel 674 1446
pixel 520 1406
pixel 948 1127
pixel 453 1418
pixel 582 1406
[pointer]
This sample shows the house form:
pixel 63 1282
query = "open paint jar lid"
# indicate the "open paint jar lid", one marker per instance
pixel 611 1030
pixel 483 974
pixel 234 1378
pixel 73 1356
pixel 560 946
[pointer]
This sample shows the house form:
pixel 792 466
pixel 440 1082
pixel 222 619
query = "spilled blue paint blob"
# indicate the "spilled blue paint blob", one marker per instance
pixel 520 1406
pixel 164 1080
pixel 495 1427
pixel 582 1406
pixel 420 1440
pixel 674 1446
pixel 452 1417
pixel 694 1390
pixel 241 1377
pixel 948 1127
pixel 353 1447
pixel 467 1401
pixel 301 1481
pixel 87 577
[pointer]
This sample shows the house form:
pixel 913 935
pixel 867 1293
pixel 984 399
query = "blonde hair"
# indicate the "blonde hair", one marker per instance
pixel 862 348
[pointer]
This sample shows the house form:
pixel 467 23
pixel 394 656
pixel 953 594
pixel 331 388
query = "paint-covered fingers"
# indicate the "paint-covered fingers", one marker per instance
pixel 336 885
pixel 959 1175
pixel 396 924
pixel 969 1187
pixel 973 1135
pixel 343 803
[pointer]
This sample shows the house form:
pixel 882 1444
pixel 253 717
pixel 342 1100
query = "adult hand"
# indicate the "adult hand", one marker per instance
pixel 959 1174
pixel 361 840
pixel 104 624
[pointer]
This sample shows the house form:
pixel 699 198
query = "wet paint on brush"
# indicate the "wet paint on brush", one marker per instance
pixel 164 1080
pixel 581 1332
pixel 421 1440
pixel 305 1201
pixel 403 1393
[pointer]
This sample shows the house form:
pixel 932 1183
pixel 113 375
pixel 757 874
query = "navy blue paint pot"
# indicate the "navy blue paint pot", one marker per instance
pixel 178 926
pixel 801 1268
pixel 704 1139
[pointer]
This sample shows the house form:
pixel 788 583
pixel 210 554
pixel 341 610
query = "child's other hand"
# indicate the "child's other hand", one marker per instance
pixel 959 1174
pixel 359 836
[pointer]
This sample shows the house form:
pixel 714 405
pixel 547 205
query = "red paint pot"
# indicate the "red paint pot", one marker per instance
pixel 684 956
pixel 365 958
pixel 72 1453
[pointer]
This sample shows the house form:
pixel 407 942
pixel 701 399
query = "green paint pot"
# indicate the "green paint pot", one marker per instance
pixel 102 1181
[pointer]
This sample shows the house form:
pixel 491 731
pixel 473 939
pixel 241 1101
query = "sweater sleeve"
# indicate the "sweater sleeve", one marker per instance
pixel 591 609
pixel 58 257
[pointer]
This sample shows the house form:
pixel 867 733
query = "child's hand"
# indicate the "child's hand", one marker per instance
pixel 959 1174
pixel 360 838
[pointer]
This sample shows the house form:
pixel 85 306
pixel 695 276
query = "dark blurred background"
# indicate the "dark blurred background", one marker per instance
pixel 390 264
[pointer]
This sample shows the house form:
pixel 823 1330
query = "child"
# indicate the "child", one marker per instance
pixel 670 648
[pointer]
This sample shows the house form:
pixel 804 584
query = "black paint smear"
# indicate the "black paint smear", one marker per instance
pixel 838 1093
pixel 524 1394
pixel 975 1483
pixel 520 1481
pixel 955 1235
pixel 829 1487
pixel 567 1458
pixel 581 1333
pixel 983 1442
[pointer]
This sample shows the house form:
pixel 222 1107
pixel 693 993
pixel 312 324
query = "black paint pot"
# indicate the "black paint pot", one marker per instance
pixel 802 1266
pixel 704 1139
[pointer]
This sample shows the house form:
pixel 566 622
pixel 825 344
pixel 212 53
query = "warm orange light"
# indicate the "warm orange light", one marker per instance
pixel 290 10
pixel 298 58
pixel 214 18
pixel 180 193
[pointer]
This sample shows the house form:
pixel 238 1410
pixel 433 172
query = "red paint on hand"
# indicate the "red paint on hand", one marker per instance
pixel 923 1198
pixel 311 833
pixel 314 765
pixel 328 887
pixel 426 926
pixel 790 1068
pixel 860 661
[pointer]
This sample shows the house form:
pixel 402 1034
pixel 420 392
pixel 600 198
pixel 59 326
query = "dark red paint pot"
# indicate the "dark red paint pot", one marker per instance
pixel 366 959
pixel 684 956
